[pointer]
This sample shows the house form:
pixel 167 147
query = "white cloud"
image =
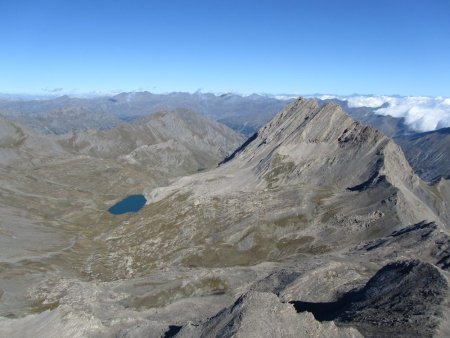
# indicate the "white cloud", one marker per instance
pixel 284 97
pixel 421 113
pixel 328 97
pixel 368 101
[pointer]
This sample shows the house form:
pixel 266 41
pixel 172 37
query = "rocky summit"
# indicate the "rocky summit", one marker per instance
pixel 316 226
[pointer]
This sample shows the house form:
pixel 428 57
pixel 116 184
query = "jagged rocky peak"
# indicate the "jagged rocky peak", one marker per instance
pixel 315 145
pixel 307 121
pixel 318 144
pixel 304 128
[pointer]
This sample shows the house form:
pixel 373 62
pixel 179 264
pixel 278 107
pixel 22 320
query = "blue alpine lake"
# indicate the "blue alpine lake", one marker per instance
pixel 132 203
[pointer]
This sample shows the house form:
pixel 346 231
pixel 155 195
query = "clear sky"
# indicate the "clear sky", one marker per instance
pixel 303 47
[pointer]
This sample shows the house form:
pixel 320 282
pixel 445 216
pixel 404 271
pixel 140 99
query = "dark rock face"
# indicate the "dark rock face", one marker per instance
pixel 241 148
pixel 172 331
pixel 423 240
pixel 403 299
pixel 276 281
pixel 413 235
pixel 442 252
pixel 428 153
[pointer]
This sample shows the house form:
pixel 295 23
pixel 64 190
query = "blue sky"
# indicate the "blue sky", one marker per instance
pixel 321 46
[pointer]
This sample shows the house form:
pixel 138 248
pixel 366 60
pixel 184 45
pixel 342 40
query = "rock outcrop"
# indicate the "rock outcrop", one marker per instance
pixel 259 314
pixel 403 299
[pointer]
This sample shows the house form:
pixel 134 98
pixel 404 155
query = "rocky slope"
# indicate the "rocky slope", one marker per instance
pixel 426 152
pixel 261 314
pixel 313 180
pixel 315 213
pixel 166 143
pixel 55 189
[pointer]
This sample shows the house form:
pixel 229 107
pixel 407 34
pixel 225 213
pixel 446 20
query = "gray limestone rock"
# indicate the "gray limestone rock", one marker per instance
pixel 261 314
pixel 403 299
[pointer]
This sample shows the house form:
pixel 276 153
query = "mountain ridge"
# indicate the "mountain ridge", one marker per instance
pixel 305 131
pixel 311 196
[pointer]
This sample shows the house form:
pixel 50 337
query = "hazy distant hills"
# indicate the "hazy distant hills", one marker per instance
pixel 169 143
pixel 244 114
pixel 166 144
pixel 66 119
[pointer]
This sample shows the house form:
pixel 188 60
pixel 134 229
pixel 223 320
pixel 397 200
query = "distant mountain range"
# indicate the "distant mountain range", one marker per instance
pixel 244 114
pixel 419 114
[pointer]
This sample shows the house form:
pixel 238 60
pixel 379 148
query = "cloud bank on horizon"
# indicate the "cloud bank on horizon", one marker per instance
pixel 421 113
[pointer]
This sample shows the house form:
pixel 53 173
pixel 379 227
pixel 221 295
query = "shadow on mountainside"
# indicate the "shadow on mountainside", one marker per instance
pixel 403 299
pixel 238 150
